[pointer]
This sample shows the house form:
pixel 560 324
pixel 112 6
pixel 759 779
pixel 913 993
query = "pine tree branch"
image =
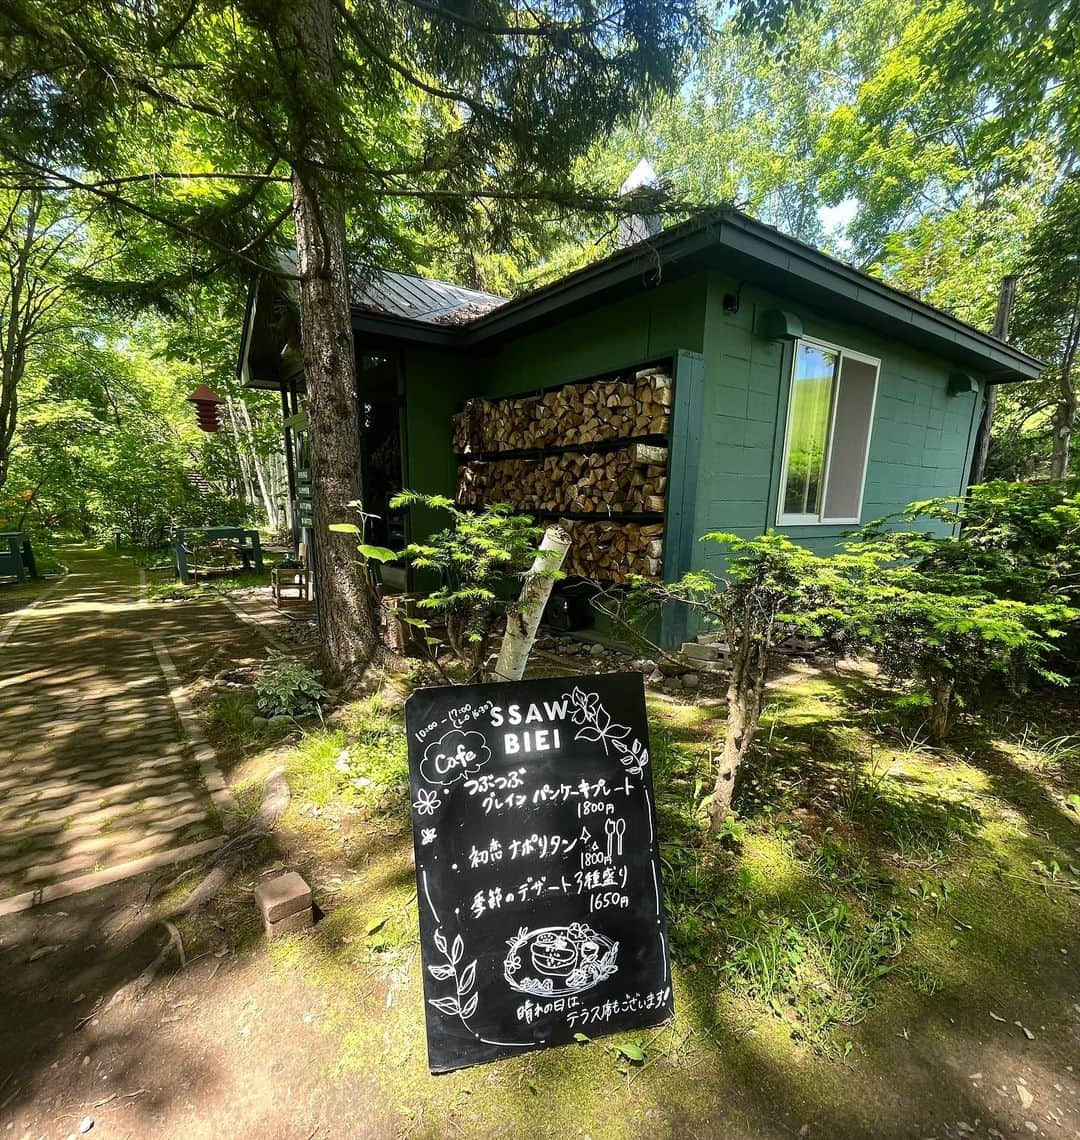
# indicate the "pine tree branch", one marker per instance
pixel 474 105
pixel 174 32
pixel 541 29
pixel 157 176
pixel 115 198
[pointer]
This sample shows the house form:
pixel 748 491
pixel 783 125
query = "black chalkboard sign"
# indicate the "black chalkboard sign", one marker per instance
pixel 537 867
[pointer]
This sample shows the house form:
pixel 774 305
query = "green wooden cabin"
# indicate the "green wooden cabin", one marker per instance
pixel 806 396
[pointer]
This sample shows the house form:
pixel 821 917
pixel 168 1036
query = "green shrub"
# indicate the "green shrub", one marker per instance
pixel 1020 540
pixel 477 559
pixel 771 589
pixel 959 611
pixel 287 687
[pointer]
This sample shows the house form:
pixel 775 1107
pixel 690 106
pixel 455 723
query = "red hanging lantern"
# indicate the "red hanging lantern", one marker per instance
pixel 206 404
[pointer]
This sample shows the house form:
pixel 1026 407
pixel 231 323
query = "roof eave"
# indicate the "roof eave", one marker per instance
pixel 998 361
pixel 758 248
pixel 643 263
pixel 391 327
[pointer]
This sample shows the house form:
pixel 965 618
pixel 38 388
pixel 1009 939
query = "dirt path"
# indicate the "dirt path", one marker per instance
pixel 95 774
pixel 96 782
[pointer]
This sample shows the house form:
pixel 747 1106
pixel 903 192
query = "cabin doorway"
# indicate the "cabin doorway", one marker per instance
pixel 381 400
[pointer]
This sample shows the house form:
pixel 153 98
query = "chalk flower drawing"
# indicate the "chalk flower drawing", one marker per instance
pixel 454 756
pixel 460 1004
pixel 558 960
pixel 426 802
pixel 589 712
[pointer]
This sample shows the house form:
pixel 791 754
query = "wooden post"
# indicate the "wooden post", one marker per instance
pixel 181 557
pixel 521 625
pixel 1002 321
pixel 290 468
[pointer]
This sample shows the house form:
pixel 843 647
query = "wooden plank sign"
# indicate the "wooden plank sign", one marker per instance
pixel 537 865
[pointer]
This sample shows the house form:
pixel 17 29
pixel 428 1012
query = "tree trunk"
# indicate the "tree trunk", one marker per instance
pixel 343 594
pixel 727 763
pixel 18 324
pixel 1065 418
pixel 1002 321
pixel 745 690
pixel 1068 405
pixel 247 487
pixel 941 708
pixel 522 622
pixel 1061 445
pixel 981 451
pixel 262 472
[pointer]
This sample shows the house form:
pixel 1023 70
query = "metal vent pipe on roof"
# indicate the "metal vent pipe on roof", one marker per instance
pixel 637 227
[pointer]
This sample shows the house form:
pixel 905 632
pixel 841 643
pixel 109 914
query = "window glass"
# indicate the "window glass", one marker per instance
pixel 827 437
pixel 851 432
pixel 808 429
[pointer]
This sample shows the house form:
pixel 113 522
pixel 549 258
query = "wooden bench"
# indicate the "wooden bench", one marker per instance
pixel 11 566
pixel 17 561
pixel 247 547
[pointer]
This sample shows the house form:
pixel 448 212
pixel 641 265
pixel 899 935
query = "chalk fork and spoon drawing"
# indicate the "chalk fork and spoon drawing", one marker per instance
pixel 614 829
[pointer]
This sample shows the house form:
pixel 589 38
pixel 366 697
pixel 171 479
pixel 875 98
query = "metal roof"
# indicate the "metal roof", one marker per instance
pixel 403 307
pixel 723 238
pixel 420 298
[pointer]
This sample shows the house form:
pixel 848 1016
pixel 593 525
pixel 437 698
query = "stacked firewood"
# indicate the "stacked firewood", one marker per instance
pixel 631 479
pixel 624 407
pixel 614 551
pixel 609 409
pixel 498 425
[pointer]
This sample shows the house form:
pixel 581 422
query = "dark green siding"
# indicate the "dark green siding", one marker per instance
pixel 437 382
pixel 920 444
pixel 921 439
pixel 646 326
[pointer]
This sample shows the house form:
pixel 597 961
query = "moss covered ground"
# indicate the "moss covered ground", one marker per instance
pixel 884 942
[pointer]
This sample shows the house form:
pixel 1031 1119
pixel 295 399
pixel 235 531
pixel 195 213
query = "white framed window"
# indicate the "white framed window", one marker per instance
pixel 827 438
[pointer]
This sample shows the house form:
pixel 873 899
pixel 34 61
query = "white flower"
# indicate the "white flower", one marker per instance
pixel 427 802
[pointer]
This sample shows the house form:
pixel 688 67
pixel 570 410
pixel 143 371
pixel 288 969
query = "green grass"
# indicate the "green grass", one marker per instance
pixel 363 760
pixel 220 582
pixel 231 716
pixel 817 971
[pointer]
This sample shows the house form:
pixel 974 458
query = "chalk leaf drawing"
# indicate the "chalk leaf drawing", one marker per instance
pixel 462 1003
pixel 589 712
pixel 554 961
pixel 454 756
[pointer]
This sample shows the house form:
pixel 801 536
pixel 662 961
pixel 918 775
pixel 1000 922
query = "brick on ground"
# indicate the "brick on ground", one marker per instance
pixel 284 903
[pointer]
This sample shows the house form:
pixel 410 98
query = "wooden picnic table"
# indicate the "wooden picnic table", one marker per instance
pixel 248 547
pixel 17 555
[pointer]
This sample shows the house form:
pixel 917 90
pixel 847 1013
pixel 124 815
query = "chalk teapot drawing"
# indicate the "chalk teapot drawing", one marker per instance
pixel 555 961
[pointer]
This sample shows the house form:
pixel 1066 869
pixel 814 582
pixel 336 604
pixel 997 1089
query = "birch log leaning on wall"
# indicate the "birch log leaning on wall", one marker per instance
pixel 522 623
